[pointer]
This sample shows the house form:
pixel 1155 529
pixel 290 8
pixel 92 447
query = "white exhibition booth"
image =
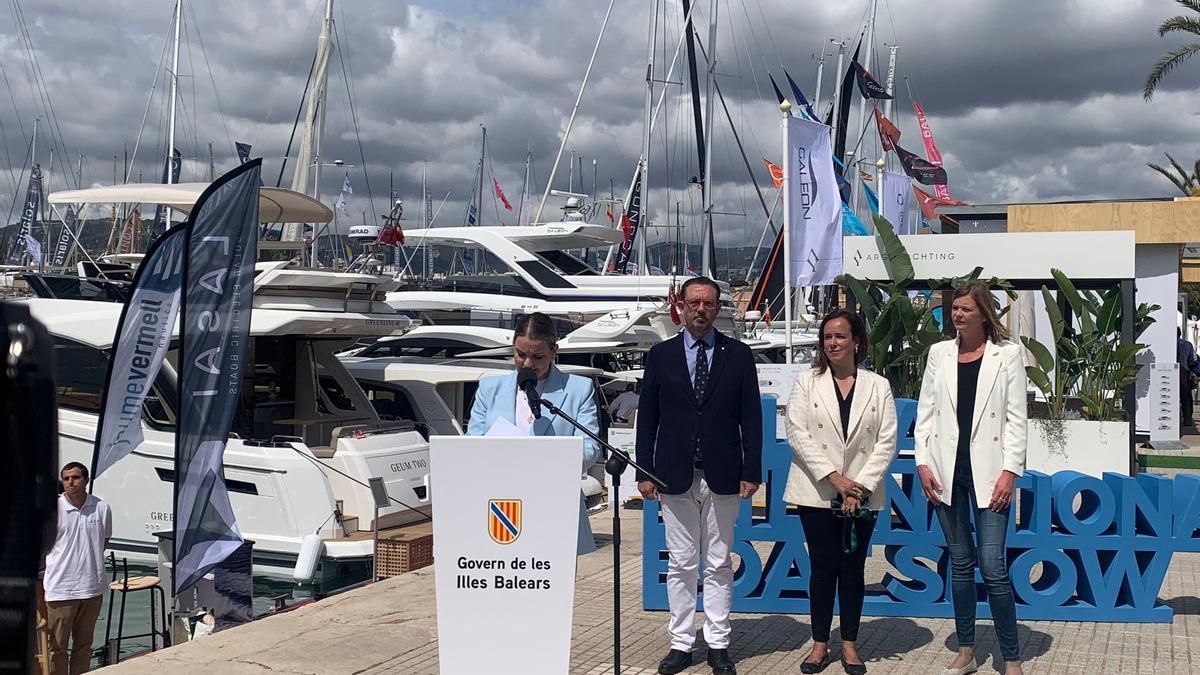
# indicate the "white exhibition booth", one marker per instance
pixel 1090 259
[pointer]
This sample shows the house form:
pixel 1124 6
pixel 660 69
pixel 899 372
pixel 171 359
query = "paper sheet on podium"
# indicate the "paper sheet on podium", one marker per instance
pixel 503 428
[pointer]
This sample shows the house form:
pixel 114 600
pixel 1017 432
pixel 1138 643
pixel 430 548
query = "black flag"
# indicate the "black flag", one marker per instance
pixel 243 151
pixel 778 94
pixel 33 196
pixel 214 331
pixel 630 220
pixel 921 170
pixel 171 168
pixel 867 85
pixel 768 290
pixel 842 109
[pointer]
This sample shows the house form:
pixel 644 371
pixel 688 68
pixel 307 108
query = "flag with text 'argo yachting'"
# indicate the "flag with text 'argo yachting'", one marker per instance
pixel 214 331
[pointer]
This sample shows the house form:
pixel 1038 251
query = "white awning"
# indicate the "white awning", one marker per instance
pixel 275 205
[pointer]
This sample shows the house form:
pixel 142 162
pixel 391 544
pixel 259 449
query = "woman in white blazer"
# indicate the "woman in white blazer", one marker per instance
pixel 970 448
pixel 841 425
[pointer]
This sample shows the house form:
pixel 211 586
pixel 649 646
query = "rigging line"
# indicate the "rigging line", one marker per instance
pixel 495 201
pixel 348 65
pixel 212 79
pixel 12 98
pixel 13 206
pixel 295 53
pixel 299 111
pixel 336 470
pixel 149 99
pixel 43 90
pixel 354 118
pixel 8 158
pixel 770 37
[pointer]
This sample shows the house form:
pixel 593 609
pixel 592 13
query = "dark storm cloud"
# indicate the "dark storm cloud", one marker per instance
pixel 1027 99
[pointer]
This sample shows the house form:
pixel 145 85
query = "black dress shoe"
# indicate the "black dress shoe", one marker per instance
pixel 675 662
pixel 854 668
pixel 720 662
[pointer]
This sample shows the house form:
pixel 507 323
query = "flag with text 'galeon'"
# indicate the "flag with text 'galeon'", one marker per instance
pixel 214 331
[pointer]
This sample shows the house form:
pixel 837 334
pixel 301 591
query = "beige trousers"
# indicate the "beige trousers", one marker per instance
pixel 72 621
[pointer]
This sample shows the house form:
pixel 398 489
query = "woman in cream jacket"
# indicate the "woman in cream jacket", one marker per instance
pixel 841 425
pixel 970 448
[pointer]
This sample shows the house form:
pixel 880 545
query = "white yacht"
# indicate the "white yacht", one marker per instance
pixel 305 438
pixel 529 269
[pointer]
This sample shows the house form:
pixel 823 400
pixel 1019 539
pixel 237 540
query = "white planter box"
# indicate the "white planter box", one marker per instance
pixel 1088 447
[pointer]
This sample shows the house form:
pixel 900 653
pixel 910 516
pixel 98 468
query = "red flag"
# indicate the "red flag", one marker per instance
pixel 889 135
pixel 500 194
pixel 673 301
pixel 931 151
pixel 929 203
pixel 626 227
pixel 776 172
pixel 391 235
pixel 865 176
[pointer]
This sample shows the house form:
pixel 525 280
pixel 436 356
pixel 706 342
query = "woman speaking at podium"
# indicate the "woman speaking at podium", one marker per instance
pixel 535 346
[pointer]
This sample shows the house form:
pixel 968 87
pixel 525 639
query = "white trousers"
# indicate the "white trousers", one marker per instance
pixel 699 524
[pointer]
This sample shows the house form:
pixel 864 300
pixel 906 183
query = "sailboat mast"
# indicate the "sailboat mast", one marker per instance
pixel 524 188
pixel 851 168
pixel 707 250
pixel 647 123
pixel 837 88
pixel 887 104
pixel 314 107
pixel 479 204
pixel 174 100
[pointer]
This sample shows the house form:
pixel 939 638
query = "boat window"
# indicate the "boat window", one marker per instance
pixel 566 263
pixel 336 396
pixel 391 403
pixel 273 394
pixel 79 373
pixel 426 348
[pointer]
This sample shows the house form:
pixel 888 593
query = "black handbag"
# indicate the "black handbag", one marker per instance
pixel 849 531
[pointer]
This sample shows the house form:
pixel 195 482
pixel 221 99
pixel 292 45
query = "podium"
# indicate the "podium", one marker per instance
pixel 506 520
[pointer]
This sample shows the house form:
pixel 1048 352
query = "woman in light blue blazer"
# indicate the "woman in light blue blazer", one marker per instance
pixel 535 346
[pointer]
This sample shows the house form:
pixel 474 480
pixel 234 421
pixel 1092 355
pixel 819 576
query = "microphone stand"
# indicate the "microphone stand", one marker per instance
pixel 614 467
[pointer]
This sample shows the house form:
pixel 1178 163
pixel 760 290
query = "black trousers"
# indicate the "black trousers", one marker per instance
pixel 835 573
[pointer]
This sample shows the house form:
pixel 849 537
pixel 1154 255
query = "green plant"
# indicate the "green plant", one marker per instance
pixel 1181 24
pixel 1089 362
pixel 901 331
pixel 1188 183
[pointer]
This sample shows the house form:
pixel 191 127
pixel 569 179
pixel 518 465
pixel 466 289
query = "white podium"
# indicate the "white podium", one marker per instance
pixel 506 520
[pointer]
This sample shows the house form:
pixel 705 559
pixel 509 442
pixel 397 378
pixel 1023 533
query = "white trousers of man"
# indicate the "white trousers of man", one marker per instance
pixel 699 525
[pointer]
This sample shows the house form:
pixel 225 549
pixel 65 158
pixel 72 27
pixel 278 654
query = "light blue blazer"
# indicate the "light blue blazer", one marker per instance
pixel 497 398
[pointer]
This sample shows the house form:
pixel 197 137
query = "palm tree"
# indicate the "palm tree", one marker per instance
pixel 1188 183
pixel 1184 24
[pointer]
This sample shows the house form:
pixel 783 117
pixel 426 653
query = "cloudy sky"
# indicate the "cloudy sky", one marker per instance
pixel 1029 100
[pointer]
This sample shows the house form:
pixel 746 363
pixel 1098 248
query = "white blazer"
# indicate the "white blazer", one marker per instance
pixel 814 430
pixel 1000 426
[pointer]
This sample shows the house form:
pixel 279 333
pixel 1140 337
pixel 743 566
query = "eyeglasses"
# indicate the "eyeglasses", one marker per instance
pixel 697 304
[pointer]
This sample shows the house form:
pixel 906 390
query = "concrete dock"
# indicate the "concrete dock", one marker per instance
pixel 391 627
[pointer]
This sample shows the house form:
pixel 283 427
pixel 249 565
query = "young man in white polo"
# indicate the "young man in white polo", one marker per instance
pixel 75 580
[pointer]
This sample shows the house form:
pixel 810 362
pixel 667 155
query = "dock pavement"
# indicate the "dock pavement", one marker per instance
pixel 391 628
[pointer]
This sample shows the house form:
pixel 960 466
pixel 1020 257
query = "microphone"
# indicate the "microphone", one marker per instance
pixel 527 382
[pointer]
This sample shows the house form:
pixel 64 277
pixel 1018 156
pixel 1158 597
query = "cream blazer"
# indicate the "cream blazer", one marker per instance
pixel 814 430
pixel 999 429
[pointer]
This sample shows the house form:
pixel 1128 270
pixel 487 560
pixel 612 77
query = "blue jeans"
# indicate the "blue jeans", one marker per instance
pixel 988 553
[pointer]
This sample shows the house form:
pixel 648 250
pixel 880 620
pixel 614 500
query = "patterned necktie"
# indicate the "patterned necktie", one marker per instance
pixel 700 380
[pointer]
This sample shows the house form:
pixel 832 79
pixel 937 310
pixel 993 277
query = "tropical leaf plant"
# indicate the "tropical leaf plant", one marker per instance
pixel 1188 183
pixel 900 320
pixel 1177 24
pixel 1089 363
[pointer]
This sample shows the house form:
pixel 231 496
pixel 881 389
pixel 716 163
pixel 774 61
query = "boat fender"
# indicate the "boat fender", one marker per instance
pixel 306 562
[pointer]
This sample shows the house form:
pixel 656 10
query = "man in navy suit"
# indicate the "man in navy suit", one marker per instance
pixel 699 428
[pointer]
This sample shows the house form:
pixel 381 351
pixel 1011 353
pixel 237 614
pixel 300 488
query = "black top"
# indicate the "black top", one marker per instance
pixel 968 380
pixel 844 404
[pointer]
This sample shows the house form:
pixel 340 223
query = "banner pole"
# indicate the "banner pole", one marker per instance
pixel 785 107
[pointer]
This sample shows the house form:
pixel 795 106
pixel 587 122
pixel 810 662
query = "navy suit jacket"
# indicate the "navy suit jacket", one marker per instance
pixel 727 420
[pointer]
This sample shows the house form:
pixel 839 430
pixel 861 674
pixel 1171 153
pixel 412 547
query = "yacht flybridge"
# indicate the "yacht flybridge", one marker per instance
pixel 305 438
pixel 529 269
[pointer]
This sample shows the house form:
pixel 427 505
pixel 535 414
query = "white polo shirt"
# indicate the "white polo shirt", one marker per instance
pixel 75 566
